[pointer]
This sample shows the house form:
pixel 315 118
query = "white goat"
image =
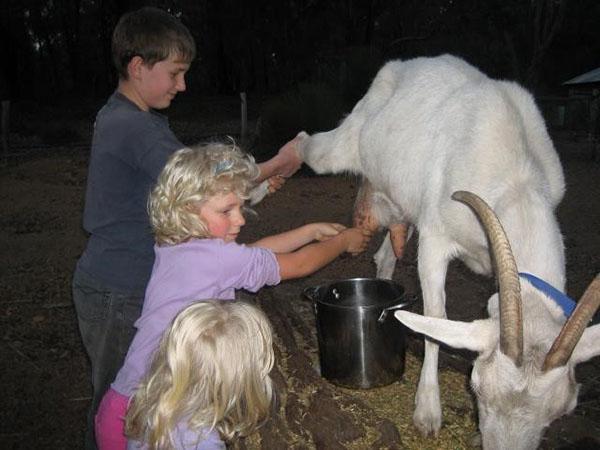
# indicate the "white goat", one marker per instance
pixel 522 383
pixel 428 127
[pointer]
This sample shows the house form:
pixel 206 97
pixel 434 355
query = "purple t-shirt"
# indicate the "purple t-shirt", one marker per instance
pixel 199 269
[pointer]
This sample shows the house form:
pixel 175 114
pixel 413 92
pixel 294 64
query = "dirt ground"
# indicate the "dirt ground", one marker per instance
pixel 44 371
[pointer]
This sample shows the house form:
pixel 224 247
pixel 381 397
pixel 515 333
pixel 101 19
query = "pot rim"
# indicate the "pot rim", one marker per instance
pixel 310 292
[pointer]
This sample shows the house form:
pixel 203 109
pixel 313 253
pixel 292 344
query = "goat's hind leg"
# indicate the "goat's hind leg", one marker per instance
pixel 433 263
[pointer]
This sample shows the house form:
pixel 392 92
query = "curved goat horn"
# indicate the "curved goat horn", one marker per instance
pixel 511 321
pixel 571 332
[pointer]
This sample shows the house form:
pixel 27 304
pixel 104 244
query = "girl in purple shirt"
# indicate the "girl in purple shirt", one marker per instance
pixel 196 212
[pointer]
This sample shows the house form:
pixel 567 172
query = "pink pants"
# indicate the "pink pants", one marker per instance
pixel 110 421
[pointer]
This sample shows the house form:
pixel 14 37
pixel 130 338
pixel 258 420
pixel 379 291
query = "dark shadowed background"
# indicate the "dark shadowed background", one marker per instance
pixel 303 64
pixel 312 59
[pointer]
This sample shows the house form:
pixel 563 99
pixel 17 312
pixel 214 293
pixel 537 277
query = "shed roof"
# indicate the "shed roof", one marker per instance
pixel 593 76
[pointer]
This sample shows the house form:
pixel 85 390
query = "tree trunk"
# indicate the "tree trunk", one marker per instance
pixel 547 16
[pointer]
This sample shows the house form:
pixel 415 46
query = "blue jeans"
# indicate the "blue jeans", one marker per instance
pixel 106 317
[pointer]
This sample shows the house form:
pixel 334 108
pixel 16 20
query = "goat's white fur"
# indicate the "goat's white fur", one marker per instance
pixel 428 127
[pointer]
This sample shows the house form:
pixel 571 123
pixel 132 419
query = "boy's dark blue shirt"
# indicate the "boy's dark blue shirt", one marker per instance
pixel 129 149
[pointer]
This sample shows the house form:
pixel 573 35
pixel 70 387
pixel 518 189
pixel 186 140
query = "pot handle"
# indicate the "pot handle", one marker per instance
pixel 385 311
pixel 311 292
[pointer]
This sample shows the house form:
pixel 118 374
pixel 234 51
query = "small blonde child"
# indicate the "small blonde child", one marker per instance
pixel 209 381
pixel 196 211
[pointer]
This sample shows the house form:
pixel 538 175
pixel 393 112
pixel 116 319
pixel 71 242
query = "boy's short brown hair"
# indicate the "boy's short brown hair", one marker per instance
pixel 152 34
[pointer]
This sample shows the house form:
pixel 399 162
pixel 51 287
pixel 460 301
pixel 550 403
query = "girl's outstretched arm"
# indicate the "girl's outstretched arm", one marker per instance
pixel 289 241
pixel 312 257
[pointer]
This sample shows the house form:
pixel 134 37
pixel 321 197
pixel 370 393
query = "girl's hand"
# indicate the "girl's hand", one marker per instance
pixel 325 231
pixel 357 240
pixel 275 183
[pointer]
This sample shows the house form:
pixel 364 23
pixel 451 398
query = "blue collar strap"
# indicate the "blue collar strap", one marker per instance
pixel 566 303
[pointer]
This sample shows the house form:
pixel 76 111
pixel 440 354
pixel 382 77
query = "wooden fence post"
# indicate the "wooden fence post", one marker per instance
pixel 244 108
pixel 595 124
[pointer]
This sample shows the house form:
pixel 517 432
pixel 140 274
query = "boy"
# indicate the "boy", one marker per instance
pixel 152 52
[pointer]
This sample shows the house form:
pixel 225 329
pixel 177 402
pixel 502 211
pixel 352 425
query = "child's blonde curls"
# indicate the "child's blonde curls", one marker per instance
pixel 189 178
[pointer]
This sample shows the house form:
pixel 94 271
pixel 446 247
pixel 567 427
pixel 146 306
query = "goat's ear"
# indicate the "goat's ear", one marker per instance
pixel 477 336
pixel 587 347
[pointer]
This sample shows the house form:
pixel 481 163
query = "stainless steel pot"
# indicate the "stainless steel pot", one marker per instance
pixel 360 345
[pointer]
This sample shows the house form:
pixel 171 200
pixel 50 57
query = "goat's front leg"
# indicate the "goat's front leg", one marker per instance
pixel 433 262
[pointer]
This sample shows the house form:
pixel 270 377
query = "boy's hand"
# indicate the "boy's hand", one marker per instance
pixel 325 231
pixel 357 240
pixel 289 158
pixel 276 182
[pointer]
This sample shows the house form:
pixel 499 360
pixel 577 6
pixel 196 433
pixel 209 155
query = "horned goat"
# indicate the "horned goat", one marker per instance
pixel 521 381
pixel 428 127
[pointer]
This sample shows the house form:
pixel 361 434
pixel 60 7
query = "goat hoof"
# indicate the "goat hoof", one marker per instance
pixel 475 441
pixel 428 426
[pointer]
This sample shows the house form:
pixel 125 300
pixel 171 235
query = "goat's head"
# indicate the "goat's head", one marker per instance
pixel 521 387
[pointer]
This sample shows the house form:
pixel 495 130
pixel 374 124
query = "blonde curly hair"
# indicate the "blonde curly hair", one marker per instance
pixel 211 372
pixel 189 178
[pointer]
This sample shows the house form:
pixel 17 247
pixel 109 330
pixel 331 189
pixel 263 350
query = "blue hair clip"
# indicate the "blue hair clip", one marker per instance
pixel 223 166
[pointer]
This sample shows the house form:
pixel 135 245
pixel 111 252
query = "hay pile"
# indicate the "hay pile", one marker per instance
pixel 396 402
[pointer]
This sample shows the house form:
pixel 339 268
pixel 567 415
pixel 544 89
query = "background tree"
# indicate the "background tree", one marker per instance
pixel 61 48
